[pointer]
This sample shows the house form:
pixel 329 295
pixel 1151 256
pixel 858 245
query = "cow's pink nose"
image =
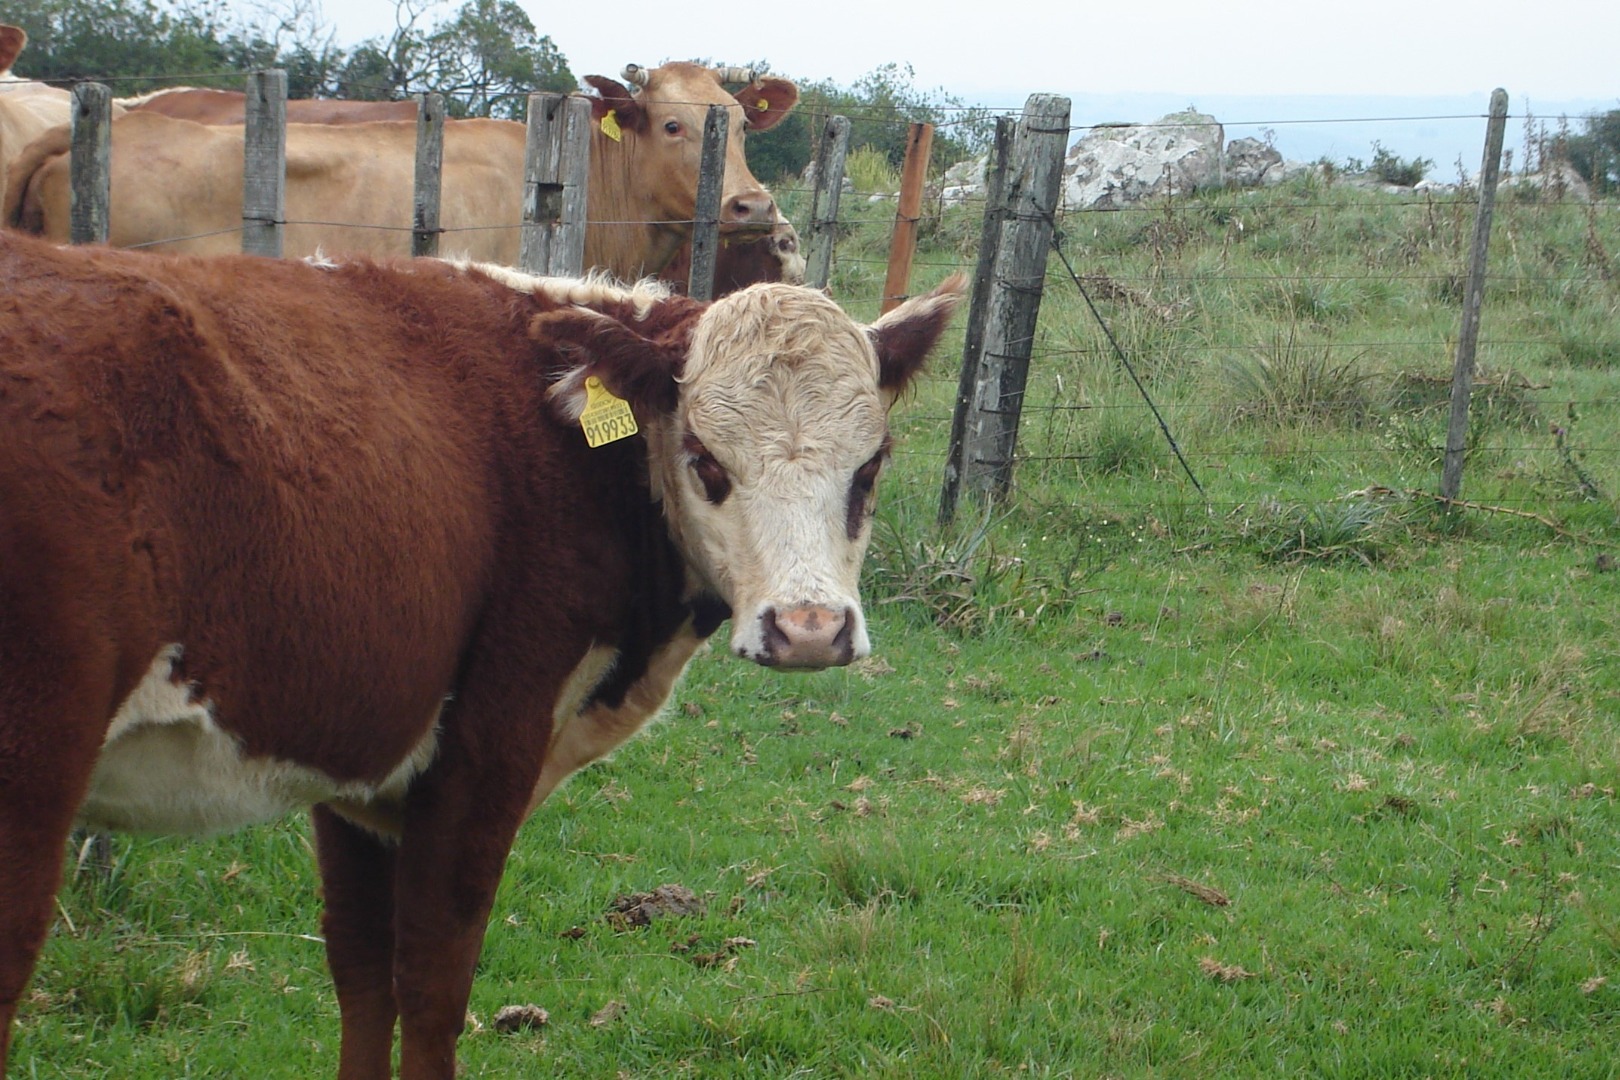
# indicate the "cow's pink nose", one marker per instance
pixel 808 636
pixel 753 208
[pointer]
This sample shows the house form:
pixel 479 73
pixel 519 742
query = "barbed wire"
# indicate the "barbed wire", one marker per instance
pixel 1423 201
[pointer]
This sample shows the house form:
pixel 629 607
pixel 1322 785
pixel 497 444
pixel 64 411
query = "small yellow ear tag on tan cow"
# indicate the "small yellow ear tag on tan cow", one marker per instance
pixel 763 105
pixel 607 417
pixel 610 126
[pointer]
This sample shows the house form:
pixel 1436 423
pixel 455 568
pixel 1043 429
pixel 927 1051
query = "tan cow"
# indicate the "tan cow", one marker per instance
pixel 179 184
pixel 207 106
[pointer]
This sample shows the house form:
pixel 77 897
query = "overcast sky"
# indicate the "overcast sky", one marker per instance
pixel 1287 61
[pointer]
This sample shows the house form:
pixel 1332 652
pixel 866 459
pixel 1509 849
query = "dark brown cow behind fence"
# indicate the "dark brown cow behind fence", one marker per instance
pixel 276 534
pixel 744 258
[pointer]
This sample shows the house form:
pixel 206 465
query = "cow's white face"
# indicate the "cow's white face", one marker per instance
pixel 768 470
pixel 766 449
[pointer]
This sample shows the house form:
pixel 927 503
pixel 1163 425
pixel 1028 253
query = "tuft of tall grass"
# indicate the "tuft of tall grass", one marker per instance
pixel 1326 531
pixel 1288 381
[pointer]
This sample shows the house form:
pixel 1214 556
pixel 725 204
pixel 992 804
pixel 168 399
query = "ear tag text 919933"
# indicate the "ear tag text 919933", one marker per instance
pixel 607 417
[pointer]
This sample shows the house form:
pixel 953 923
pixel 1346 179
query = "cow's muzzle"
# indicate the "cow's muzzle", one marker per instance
pixel 809 636
pixel 752 210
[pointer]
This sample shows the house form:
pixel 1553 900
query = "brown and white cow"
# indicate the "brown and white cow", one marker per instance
pixel 275 534
pixel 178 184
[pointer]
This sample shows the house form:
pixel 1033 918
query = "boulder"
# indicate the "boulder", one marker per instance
pixel 1118 165
pixel 1555 180
pixel 963 182
pixel 1251 163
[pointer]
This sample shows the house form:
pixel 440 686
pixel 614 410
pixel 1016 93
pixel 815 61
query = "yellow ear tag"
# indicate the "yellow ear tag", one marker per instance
pixel 607 417
pixel 763 105
pixel 610 125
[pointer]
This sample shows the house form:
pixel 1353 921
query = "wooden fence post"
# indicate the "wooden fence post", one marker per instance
pixel 429 171
pixel 831 152
pixel 1462 372
pixel 706 214
pixel 264 163
pixel 90 164
pixel 995 215
pixel 903 244
pixel 556 165
pixel 1034 182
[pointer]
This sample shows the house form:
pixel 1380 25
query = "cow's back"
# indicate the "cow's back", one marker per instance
pixel 177 187
pixel 210 106
pixel 353 186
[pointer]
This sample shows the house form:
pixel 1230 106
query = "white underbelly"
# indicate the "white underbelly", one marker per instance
pixel 166 766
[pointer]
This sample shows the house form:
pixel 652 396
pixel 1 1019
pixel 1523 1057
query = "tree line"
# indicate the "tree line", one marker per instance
pixel 486 57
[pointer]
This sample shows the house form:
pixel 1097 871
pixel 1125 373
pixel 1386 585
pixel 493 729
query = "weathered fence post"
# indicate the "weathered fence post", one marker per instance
pixel 90 164
pixel 830 154
pixel 1033 183
pixel 903 244
pixel 89 199
pixel 429 170
pixel 557 160
pixel 1462 371
pixel 995 214
pixel 264 163
pixel 706 214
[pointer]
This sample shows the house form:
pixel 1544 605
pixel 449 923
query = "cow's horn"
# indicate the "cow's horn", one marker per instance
pixel 635 75
pixel 736 74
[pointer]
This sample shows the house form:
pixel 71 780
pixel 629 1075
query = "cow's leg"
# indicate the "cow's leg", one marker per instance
pixel 459 826
pixel 461 817
pixel 51 718
pixel 357 879
pixel 34 822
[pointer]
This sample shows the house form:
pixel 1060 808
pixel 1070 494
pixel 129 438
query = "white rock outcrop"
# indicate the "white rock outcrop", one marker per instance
pixel 1116 166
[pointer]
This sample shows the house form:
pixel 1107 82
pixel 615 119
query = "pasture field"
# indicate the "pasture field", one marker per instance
pixel 1298 777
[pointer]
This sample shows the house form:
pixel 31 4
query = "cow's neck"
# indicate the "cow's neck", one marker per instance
pixel 669 599
pixel 629 239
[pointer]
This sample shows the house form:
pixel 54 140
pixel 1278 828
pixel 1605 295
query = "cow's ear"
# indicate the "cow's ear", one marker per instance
pixel 639 360
pixel 904 337
pixel 615 98
pixel 766 101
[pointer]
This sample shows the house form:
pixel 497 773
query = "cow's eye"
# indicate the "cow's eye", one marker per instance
pixel 860 492
pixel 709 472
pixel 866 476
pixel 672 126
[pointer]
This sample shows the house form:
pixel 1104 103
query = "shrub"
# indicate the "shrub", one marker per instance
pixel 1392 169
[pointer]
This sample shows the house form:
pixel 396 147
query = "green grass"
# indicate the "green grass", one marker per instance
pixel 1302 778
